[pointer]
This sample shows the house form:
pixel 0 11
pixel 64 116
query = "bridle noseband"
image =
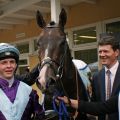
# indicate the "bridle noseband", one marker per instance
pixel 48 61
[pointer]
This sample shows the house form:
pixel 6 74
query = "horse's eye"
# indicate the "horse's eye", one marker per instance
pixel 40 47
pixel 62 43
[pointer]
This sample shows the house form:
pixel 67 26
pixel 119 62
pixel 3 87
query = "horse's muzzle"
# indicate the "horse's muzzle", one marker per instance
pixel 43 89
pixel 49 82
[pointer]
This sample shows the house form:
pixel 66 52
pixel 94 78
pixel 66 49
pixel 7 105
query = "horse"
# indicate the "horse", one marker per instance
pixel 58 74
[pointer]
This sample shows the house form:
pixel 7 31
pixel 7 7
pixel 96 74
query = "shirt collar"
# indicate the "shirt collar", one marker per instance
pixel 113 68
pixel 5 83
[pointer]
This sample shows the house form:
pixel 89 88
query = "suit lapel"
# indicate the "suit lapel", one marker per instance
pixel 102 84
pixel 116 83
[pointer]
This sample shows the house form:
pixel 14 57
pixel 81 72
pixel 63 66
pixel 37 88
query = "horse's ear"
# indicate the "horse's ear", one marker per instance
pixel 40 20
pixel 62 18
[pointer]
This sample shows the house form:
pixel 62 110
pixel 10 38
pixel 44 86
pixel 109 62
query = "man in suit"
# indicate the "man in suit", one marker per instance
pixel 100 108
pixel 108 51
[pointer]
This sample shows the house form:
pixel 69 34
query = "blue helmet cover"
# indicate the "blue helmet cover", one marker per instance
pixel 9 51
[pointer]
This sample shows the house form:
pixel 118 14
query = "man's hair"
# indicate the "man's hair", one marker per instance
pixel 109 39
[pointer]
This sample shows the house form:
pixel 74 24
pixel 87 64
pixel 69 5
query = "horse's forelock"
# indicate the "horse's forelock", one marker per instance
pixel 52 23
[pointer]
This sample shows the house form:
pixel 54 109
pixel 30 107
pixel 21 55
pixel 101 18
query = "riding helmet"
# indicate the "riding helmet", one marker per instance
pixel 9 51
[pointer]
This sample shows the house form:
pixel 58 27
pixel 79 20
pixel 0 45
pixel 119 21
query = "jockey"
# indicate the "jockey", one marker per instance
pixel 85 74
pixel 18 101
pixel 83 69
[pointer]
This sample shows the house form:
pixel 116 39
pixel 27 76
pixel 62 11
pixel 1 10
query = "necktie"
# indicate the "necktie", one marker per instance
pixel 108 92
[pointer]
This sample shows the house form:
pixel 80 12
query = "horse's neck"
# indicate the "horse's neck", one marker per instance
pixel 70 79
pixel 69 67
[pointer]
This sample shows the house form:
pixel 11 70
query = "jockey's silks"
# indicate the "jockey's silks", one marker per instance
pixel 15 110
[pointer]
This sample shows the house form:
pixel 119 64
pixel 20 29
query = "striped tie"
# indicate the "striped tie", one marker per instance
pixel 108 92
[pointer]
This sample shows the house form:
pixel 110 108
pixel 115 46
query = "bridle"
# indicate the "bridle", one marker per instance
pixel 60 68
pixel 49 61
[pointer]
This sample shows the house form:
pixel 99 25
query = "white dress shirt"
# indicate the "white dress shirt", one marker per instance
pixel 113 71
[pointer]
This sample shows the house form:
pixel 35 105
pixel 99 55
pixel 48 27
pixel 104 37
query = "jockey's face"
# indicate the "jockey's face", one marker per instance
pixel 7 68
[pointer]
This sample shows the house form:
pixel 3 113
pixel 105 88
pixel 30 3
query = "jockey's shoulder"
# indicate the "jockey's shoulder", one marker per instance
pixel 79 63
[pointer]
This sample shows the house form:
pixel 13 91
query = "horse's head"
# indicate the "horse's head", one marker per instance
pixel 52 47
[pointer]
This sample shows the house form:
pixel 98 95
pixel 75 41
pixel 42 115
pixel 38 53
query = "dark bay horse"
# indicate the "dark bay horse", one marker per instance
pixel 57 70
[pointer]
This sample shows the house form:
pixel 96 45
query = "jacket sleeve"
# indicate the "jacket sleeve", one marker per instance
pixel 29 78
pixel 99 108
pixel 96 96
pixel 38 111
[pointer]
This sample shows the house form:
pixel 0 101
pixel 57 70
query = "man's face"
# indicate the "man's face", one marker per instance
pixel 7 68
pixel 107 55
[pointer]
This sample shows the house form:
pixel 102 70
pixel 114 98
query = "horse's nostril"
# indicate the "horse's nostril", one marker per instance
pixel 40 86
pixel 52 81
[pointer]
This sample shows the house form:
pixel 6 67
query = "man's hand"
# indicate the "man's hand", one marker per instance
pixel 64 99
pixel 73 103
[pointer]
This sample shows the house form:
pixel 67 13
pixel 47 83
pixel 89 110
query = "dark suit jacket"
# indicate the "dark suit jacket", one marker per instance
pixel 99 108
pixel 98 86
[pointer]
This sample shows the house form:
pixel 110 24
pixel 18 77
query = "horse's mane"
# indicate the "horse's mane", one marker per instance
pixel 68 62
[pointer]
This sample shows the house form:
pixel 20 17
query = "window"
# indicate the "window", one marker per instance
pixel 113 27
pixel 89 56
pixel 23 65
pixel 85 44
pixel 83 36
pixel 35 45
pixel 23 48
pixel 23 62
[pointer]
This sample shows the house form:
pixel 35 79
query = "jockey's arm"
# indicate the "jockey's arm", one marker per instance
pixel 29 78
